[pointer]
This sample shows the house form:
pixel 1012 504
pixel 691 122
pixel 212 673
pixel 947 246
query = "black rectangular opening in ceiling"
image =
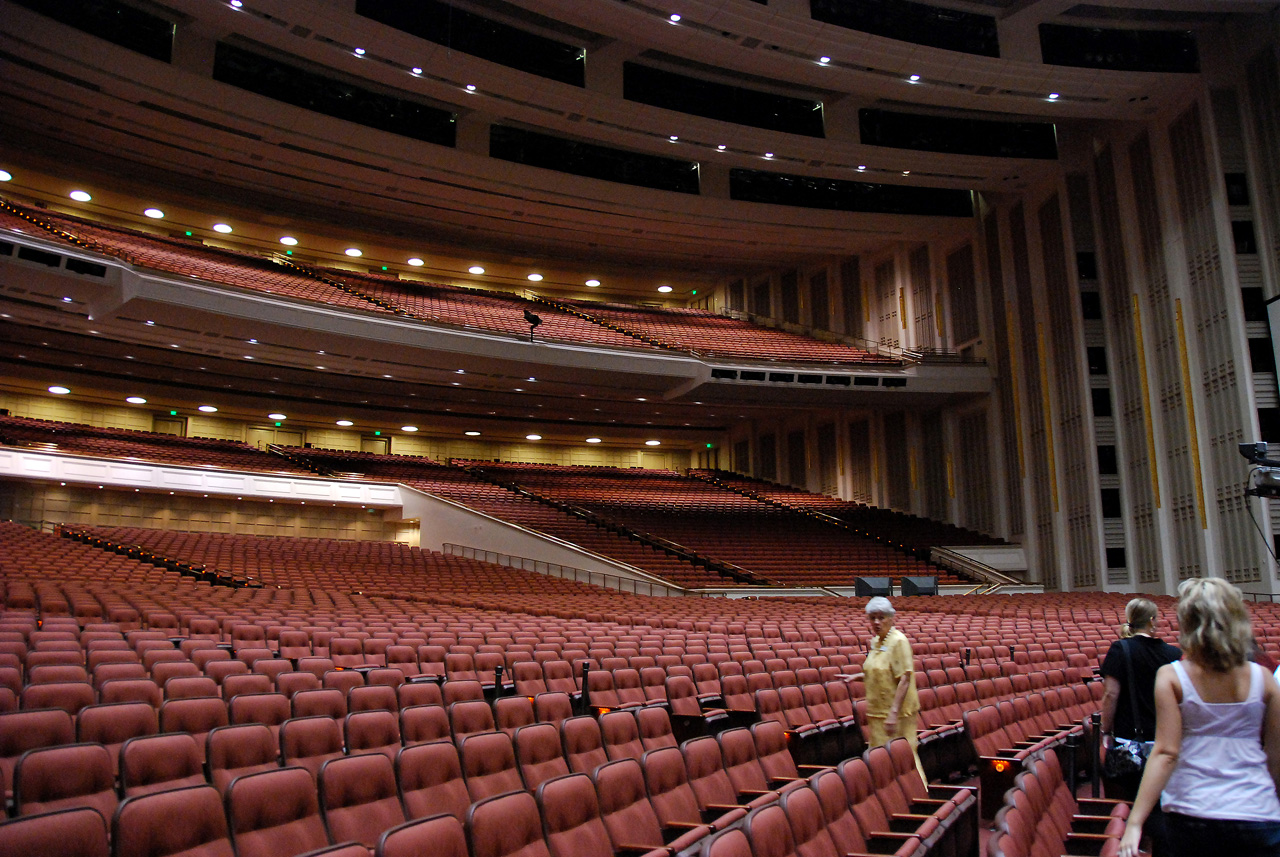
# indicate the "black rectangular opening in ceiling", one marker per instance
pixel 469 33
pixel 336 98
pixel 1120 50
pixel 118 23
pixel 590 160
pixel 721 101
pixel 918 23
pixel 956 136
pixel 842 195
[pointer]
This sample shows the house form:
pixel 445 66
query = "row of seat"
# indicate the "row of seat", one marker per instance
pixel 1041 815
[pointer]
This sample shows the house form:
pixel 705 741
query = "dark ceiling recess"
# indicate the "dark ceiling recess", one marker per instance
pixel 1120 50
pixel 479 36
pixel 721 101
pixel 918 23
pixel 839 195
pixel 337 98
pixel 119 24
pixel 591 160
pixel 957 136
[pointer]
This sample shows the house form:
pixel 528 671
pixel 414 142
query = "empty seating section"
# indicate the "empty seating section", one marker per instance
pixel 711 335
pixel 597 324
pixel 79 439
pixel 268 743
pixel 775 543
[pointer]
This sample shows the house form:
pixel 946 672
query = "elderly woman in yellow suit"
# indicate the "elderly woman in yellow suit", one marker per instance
pixel 890 679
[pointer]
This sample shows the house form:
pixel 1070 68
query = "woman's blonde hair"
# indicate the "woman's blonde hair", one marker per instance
pixel 1214 624
pixel 1139 613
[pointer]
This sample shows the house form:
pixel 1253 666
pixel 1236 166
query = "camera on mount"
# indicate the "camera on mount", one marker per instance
pixel 1264 481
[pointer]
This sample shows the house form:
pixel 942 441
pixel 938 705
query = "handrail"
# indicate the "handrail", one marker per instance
pixel 990 578
pixel 581 575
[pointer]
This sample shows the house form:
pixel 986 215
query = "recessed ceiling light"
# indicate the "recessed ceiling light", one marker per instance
pixel 1053 96
pixel 642 399
pixel 80 196
pixel 136 400
pixel 673 138
pixel 768 154
pixel 154 213
pixel 535 278
pixel 237 3
pixel 593 283
pixel 353 251
pixel 906 172
pixel 674 18
pixel 359 52
pixel 593 440
pixel 345 423
pixel 721 147
pixel 653 443
pixel 408 428
pixel 222 227
pixel 824 60
pixel 416 262
pixel 276 417
pixel 862 168
pixel 416 70
pixel 6 176
pixel 915 78
pixel 533 437
pixel 252 341
pixel 59 391
pixel 67 300
pixel 288 241
pixel 472 433
pixel 248 357
pixel 207 409
pixel 475 269
pixel 664 289
pixel 471 87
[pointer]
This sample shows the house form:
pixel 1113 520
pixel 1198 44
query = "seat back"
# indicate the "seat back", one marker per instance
pixel 512 712
pixel 489 765
pixel 741 765
pixel 654 724
pixel 275 812
pixel 373 732
pixel 439 835
pixel 430 780
pixel 621 735
pixel 707 776
pixel 583 744
pixel 772 752
pixel 233 751
pixel 309 742
pixel 62 777
pixel 669 791
pixel 506 824
pixel 161 762
pixel 79 832
pixel 624 804
pixel 769 830
pixel 358 798
pixel 539 754
pixel 571 818
pixel 144 825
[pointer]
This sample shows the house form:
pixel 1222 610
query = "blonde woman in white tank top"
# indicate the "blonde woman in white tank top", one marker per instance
pixel 1216 762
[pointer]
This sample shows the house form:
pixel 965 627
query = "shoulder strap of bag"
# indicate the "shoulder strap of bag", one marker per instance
pixel 1133 695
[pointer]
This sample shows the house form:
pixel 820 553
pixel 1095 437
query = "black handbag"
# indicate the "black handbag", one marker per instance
pixel 1127 757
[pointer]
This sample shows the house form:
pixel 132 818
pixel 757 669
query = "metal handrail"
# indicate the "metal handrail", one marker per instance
pixel 581 575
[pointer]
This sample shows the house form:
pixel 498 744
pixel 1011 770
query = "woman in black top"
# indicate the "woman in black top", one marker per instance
pixel 1124 697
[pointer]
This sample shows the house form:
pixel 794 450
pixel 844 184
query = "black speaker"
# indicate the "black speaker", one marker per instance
pixel 919 586
pixel 873 586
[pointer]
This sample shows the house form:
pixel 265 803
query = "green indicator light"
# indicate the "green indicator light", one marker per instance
pixel 694 292
pixel 173 413
pixel 709 446
pixel 188 233
pixel 377 433
pixel 384 267
pixel 288 252
pixel 280 424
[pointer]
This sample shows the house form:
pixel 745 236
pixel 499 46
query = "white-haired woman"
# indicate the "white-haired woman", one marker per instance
pixel 1216 762
pixel 890 679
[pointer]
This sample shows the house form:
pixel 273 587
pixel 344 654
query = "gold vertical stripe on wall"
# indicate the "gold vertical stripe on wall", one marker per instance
pixel 912 468
pixel 1191 415
pixel 1013 380
pixel 866 305
pixel 951 478
pixel 902 307
pixel 937 317
pixel 1045 402
pixel 1146 398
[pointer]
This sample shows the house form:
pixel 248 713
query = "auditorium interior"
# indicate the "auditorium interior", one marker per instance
pixel 475 427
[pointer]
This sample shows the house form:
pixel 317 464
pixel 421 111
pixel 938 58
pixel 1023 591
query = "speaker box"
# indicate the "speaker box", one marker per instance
pixel 919 586
pixel 873 586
